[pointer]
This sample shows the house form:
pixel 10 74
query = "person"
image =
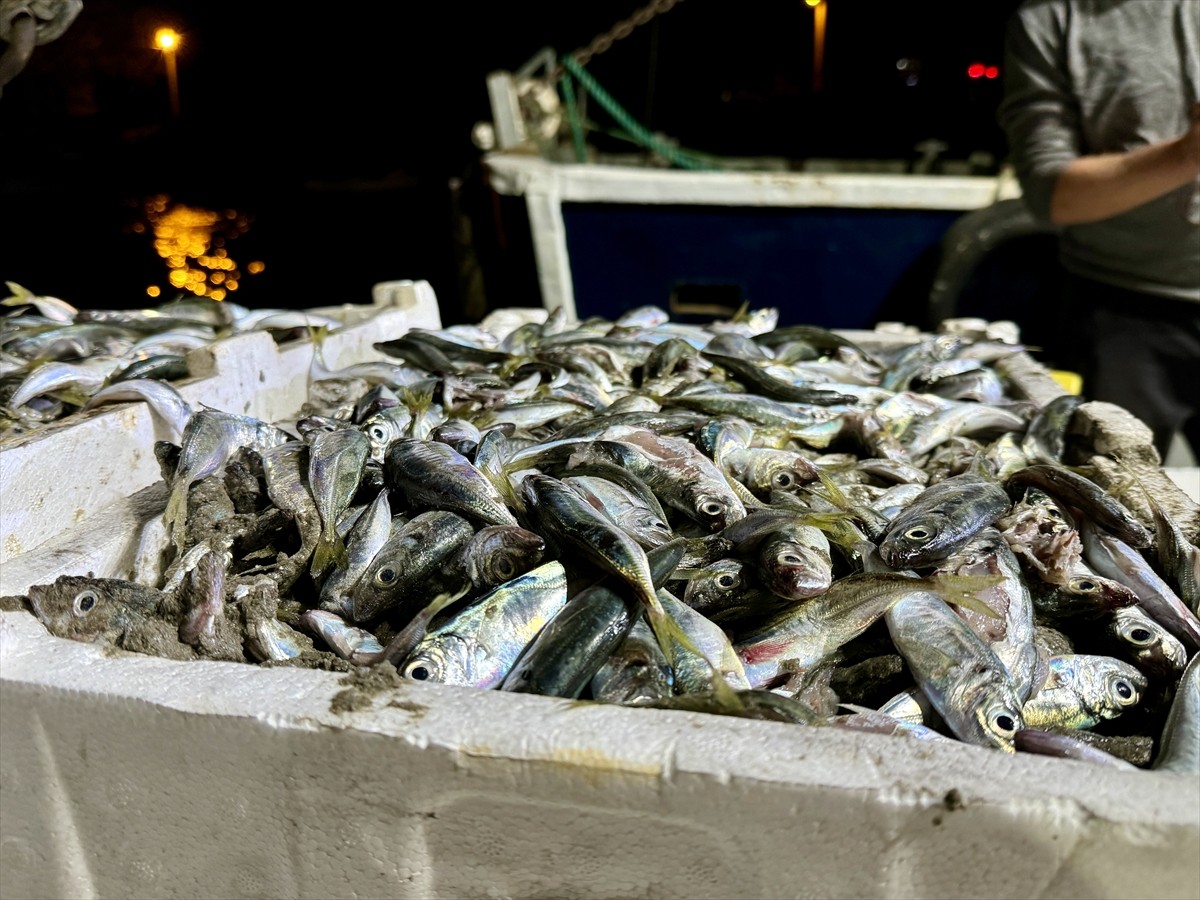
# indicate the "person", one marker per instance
pixel 1101 116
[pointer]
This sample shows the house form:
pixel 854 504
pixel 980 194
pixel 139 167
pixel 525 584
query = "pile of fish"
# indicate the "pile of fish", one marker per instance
pixel 774 523
pixel 56 360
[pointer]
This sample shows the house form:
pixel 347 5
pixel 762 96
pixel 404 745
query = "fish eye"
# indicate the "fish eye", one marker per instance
pixel 1124 689
pixel 791 559
pixel 377 432
pixel 1085 584
pixel 1140 636
pixel 726 581
pixel 784 479
pixel 85 601
pixel 660 526
pixel 505 566
pixel 712 508
pixel 386 575
pixel 418 671
pixel 1003 723
pixel 919 533
pixel 1054 512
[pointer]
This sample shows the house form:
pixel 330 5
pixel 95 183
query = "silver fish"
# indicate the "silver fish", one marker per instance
pixel 1082 690
pixel 636 671
pixel 209 440
pixel 963 679
pixel 335 470
pixel 479 645
pixel 368 536
pixel 162 398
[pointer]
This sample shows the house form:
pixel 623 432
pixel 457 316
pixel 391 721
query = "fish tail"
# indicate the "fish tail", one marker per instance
pixel 961 590
pixel 330 549
pixel 317 335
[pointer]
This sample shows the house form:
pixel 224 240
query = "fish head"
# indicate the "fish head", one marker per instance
pixel 716 510
pixel 1152 647
pixel 376 590
pixel 1104 593
pixel 83 609
pixel 793 571
pixel 648 528
pixel 384 428
pixel 995 710
pixel 445 658
pixel 716 587
pixel 499 553
pixel 1109 686
pixel 918 543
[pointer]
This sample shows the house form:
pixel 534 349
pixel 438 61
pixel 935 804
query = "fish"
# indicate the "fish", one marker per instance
pixel 366 538
pixel 1134 635
pixel 1179 745
pixel 943 518
pixel 346 640
pixel 804 635
pixel 166 402
pixel 1118 560
pixel 1064 746
pixel 624 508
pixel 1096 504
pixel 1082 690
pixel 434 475
pixel 498 553
pixel 1043 535
pixel 478 646
pixel 1010 633
pixel 210 438
pixel 1046 437
pixel 956 670
pixel 335 471
pixel 566 655
pixel 694 671
pixel 419 559
pixel 636 671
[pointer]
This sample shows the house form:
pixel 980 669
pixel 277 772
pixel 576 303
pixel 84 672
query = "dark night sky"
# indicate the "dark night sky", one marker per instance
pixel 286 119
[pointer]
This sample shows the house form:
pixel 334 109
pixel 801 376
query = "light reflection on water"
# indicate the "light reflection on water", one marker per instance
pixel 192 241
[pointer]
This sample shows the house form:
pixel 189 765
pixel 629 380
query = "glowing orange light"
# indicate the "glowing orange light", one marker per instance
pixel 976 70
pixel 167 39
pixel 814 3
pixel 153 291
pixel 992 72
pixel 255 267
pixel 217 294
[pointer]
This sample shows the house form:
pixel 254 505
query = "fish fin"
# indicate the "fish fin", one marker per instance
pixel 960 590
pixel 861 710
pixel 317 335
pixel 175 515
pixel 330 549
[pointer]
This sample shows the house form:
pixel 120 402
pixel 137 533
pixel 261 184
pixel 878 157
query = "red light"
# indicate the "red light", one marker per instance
pixel 976 70
pixel 992 72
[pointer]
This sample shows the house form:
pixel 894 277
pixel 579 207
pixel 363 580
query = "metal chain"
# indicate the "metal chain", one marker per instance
pixel 619 32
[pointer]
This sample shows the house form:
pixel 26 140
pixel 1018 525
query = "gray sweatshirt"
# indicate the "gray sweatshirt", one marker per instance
pixel 1103 76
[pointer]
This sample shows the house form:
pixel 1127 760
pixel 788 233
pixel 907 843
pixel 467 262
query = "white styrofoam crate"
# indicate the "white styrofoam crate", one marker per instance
pixel 129 775
pixel 58 477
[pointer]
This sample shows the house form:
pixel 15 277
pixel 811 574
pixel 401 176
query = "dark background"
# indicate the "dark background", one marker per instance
pixel 342 137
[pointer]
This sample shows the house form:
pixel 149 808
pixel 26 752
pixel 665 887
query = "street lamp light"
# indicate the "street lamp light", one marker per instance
pixel 820 10
pixel 167 40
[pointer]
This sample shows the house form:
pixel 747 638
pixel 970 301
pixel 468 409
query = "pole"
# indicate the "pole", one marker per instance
pixel 819 47
pixel 172 81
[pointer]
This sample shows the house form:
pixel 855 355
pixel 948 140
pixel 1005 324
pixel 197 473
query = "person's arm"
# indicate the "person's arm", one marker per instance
pixel 1041 118
pixel 1091 188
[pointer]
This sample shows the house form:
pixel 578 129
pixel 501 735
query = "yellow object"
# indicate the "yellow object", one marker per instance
pixel 1071 382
